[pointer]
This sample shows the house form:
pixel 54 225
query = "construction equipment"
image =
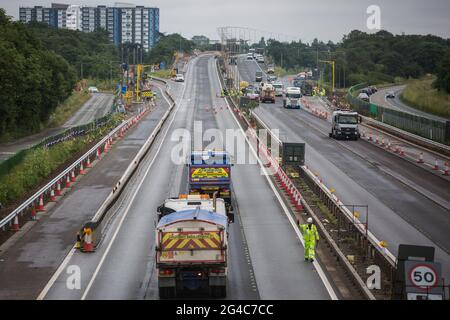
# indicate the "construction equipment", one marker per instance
pixel 268 93
pixel 192 246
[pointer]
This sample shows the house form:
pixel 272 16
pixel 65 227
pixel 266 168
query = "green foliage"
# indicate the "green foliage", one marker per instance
pixel 89 52
pixel 35 165
pixel 421 95
pixel 373 58
pixel 66 109
pixel 443 75
pixel 33 80
pixel 166 47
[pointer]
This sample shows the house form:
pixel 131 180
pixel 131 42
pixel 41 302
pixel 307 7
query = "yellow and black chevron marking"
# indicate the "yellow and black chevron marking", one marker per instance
pixel 189 241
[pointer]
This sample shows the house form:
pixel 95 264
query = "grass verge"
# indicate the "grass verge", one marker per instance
pixel 421 95
pixel 38 164
pixel 165 74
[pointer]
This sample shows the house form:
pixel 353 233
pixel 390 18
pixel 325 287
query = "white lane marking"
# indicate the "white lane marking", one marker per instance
pixel 56 275
pixel 131 202
pixel 66 260
pixel 317 266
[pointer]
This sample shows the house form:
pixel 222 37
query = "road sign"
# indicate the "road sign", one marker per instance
pixel 124 89
pixel 293 154
pixel 422 278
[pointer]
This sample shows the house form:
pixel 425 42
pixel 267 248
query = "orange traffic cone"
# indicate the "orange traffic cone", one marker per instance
pixel 81 168
pixel 58 188
pixel 72 176
pixel 33 213
pixel 445 172
pixel 15 226
pixel 436 166
pixel 88 246
pixel 88 163
pixel 68 182
pixel 420 160
pixel 52 196
pixel 41 204
pixel 98 153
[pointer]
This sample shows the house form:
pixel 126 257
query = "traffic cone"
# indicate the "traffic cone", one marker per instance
pixel 58 188
pixel 396 149
pixel 436 166
pixel 420 160
pixel 72 176
pixel 445 172
pixel 68 182
pixel 98 153
pixel 88 162
pixel 402 151
pixel 299 204
pixel 41 204
pixel 106 148
pixel 52 196
pixel 88 246
pixel 81 168
pixel 33 213
pixel 364 133
pixel 15 226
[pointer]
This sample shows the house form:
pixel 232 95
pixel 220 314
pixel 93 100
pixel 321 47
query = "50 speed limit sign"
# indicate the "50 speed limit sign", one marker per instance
pixel 423 276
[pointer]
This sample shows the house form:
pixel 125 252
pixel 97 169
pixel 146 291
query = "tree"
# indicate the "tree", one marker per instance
pixel 443 74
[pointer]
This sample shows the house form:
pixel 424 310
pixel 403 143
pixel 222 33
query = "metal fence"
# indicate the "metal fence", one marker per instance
pixel 434 130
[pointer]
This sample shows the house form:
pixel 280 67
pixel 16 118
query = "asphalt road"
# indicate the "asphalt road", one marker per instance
pixel 97 106
pixel 397 104
pixel 405 203
pixel 29 263
pixel 266 257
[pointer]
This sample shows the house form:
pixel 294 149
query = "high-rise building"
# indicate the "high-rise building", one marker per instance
pixel 125 24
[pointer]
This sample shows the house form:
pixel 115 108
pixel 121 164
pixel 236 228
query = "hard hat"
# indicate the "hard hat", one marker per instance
pixel 309 220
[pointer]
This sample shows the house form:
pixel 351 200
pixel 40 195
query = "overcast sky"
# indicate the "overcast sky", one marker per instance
pixel 302 19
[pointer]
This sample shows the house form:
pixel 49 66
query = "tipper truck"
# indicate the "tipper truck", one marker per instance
pixel 268 93
pixel 344 124
pixel 192 246
pixel 210 172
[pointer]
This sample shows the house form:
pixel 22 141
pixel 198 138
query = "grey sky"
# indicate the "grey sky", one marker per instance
pixel 304 19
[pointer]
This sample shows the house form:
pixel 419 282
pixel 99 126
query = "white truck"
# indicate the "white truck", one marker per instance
pixel 192 246
pixel 292 97
pixel 344 124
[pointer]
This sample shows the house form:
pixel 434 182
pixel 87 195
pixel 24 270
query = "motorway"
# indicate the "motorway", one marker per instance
pixel 406 204
pixel 266 254
pixel 97 106
pixel 397 104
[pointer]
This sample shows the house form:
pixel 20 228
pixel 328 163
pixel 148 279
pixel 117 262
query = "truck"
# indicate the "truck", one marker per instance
pixel 210 172
pixel 268 93
pixel 344 124
pixel 307 87
pixel 191 246
pixel 292 97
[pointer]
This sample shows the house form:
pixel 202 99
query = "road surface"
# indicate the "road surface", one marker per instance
pixel 266 256
pixel 379 98
pixel 406 204
pixel 97 106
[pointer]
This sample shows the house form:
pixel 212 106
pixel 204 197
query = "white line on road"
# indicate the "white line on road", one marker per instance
pixel 317 266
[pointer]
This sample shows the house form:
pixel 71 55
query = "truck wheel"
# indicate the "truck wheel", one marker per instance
pixel 219 291
pixel 167 292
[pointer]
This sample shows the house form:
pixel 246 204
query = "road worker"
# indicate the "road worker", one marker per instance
pixel 311 238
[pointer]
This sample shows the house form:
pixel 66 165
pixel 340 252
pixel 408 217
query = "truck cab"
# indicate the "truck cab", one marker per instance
pixel 292 98
pixel 344 124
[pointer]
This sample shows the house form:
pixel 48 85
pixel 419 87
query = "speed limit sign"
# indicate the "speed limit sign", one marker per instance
pixel 422 277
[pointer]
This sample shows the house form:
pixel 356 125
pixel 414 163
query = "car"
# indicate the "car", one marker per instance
pixel 258 76
pixel 93 89
pixel 364 96
pixel 279 89
pixel 390 94
pixel 272 78
pixel 252 94
pixel 179 78
pixel 249 56
pixel 270 69
pixel 260 59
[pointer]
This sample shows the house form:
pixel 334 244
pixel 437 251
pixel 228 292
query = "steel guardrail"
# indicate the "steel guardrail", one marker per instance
pixel 31 200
